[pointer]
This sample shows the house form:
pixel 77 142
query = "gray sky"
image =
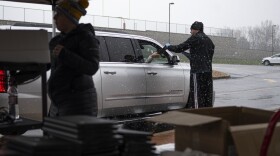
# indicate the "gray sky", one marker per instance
pixel 213 13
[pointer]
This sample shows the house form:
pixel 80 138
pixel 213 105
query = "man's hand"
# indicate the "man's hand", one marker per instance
pixel 57 49
pixel 167 45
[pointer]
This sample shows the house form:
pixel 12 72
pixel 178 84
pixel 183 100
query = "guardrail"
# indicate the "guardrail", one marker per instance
pixel 45 16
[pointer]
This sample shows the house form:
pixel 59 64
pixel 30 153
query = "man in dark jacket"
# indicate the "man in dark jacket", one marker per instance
pixel 75 59
pixel 200 56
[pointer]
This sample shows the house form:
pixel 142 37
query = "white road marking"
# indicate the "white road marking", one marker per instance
pixel 270 80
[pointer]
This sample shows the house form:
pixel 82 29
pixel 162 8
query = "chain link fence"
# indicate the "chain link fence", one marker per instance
pixel 8 13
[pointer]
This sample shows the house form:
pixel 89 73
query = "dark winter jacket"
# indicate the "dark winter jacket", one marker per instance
pixel 201 52
pixel 70 86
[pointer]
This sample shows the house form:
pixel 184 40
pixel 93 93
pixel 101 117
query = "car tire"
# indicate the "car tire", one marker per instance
pixel 266 63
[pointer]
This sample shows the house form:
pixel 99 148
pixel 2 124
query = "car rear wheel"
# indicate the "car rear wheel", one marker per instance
pixel 266 63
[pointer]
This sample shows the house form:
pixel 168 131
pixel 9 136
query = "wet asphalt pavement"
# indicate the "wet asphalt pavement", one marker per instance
pixel 249 85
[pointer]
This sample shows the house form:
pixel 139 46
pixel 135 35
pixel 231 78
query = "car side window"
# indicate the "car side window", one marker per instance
pixel 120 49
pixel 148 48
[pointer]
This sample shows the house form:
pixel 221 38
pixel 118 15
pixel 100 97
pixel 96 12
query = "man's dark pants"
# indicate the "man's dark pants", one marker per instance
pixel 201 90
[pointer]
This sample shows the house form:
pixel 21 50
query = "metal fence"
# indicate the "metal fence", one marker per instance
pixel 8 13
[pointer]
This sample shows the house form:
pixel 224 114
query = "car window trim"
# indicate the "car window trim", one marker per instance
pixel 104 50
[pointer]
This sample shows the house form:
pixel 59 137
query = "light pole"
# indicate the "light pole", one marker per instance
pixel 102 7
pixel 129 9
pixel 169 22
pixel 272 44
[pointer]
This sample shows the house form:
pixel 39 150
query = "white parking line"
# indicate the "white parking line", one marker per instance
pixel 270 80
pixel 247 90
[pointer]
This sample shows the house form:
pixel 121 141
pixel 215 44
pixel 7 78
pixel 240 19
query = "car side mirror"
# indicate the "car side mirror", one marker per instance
pixel 175 59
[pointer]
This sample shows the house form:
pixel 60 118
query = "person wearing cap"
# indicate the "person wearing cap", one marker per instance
pixel 75 59
pixel 201 51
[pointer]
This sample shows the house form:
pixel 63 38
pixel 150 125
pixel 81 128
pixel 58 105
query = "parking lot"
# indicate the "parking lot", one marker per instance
pixel 250 86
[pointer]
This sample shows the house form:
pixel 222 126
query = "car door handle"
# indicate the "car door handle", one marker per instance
pixel 151 73
pixel 111 73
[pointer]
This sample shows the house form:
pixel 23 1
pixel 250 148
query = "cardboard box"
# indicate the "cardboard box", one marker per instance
pixel 225 131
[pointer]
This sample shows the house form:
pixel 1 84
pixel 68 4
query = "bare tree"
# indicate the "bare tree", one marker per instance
pixel 276 39
pixel 241 38
pixel 263 37
pixel 243 43
pixel 226 32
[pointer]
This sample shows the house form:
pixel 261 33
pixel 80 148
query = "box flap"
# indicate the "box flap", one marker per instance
pixel 184 119
pixel 248 139
pixel 235 115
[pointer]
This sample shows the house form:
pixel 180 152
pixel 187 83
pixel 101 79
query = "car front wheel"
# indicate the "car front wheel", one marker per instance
pixel 266 63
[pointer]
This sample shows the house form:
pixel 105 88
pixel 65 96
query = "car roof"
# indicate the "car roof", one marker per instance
pixel 97 32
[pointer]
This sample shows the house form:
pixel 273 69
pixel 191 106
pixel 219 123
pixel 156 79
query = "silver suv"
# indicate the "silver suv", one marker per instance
pixel 125 83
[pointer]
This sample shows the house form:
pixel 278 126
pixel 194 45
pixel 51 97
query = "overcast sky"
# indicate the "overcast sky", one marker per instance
pixel 213 13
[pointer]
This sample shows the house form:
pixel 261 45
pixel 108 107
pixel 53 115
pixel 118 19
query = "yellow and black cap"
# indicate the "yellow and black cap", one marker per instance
pixel 73 9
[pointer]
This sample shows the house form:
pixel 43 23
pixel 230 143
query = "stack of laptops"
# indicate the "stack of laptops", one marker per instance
pixel 136 143
pixel 94 136
pixel 38 146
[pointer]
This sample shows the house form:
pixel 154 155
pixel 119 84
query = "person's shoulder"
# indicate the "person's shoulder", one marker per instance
pixel 86 34
pixel 194 38
pixel 86 30
pixel 201 34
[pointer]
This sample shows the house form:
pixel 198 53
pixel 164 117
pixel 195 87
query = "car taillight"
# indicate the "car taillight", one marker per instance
pixel 3 81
